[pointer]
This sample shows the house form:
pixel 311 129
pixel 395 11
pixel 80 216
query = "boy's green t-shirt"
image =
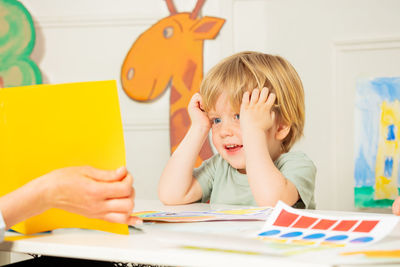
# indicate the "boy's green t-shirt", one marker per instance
pixel 223 184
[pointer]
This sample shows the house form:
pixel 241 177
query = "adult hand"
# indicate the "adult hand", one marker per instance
pixel 197 115
pixel 256 110
pixel 94 193
pixel 396 206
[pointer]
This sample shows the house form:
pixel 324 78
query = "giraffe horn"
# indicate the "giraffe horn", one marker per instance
pixel 171 7
pixel 197 9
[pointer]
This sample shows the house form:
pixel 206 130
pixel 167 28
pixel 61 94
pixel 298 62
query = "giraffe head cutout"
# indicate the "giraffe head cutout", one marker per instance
pixel 170 54
pixel 162 52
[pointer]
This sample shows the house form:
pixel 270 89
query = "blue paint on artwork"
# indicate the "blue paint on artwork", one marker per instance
pixel 387 88
pixel 292 234
pixel 362 171
pixel 337 238
pixel 314 236
pixel 391 136
pixel 269 233
pixel 362 239
pixel 388 167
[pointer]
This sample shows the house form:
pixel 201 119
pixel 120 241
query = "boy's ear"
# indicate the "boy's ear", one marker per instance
pixel 282 131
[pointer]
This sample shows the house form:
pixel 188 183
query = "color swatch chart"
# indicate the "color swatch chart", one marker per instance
pixel 245 214
pixel 288 225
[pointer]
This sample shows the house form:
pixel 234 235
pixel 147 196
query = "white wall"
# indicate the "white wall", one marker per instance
pixel 330 43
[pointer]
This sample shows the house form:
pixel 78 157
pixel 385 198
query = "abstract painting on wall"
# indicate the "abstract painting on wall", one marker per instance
pixel 377 142
pixel 17 40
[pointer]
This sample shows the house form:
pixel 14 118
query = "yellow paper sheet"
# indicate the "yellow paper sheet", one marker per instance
pixel 46 127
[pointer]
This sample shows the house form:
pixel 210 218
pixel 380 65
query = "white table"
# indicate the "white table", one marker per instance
pixel 145 246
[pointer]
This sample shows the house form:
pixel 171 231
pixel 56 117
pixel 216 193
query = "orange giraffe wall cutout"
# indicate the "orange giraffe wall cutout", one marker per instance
pixel 171 53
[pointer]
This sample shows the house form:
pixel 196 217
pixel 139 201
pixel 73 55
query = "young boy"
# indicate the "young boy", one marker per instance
pixel 252 130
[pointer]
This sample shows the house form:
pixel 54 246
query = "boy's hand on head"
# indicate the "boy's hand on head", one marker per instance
pixel 256 110
pixel 197 115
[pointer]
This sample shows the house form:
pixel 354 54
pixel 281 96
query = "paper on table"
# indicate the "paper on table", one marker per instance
pixel 46 127
pixel 306 250
pixel 288 225
pixel 257 213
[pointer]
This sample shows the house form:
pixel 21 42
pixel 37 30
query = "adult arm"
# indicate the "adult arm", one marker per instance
pixel 91 192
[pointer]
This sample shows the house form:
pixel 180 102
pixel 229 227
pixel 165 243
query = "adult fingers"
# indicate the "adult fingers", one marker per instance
pixel 116 217
pixel 132 220
pixel 104 175
pixel 118 189
pixel 396 206
pixel 123 218
pixel 120 205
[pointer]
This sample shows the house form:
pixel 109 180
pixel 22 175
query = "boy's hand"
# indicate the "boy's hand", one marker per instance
pixel 256 110
pixel 197 115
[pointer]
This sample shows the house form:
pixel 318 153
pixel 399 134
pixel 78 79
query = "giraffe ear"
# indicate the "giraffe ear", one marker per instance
pixel 207 27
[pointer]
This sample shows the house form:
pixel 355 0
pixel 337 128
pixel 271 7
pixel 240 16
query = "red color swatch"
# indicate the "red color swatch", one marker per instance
pixel 366 226
pixel 304 222
pixel 344 225
pixel 285 218
pixel 324 224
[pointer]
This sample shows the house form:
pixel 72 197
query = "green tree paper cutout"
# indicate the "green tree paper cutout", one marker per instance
pixel 17 39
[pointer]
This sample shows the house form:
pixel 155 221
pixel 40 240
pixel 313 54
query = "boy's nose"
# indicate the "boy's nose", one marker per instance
pixel 226 130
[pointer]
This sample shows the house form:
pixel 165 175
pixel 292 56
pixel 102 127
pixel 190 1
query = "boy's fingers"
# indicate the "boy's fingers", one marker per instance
pixel 264 95
pixel 193 100
pixel 254 96
pixel 273 115
pixel 200 102
pixel 246 98
pixel 271 99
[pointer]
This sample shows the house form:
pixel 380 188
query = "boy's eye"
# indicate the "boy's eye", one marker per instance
pixel 216 120
pixel 237 116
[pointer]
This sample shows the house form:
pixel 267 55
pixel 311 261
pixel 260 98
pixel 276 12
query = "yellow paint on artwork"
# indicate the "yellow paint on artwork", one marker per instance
pixel 332 244
pixel 240 211
pixel 388 150
pixel 375 253
pixel 272 239
pixel 222 250
pixel 304 242
pixel 141 213
pixel 46 127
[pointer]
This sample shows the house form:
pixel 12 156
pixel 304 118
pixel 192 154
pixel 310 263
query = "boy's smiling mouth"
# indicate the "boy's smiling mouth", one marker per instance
pixel 232 147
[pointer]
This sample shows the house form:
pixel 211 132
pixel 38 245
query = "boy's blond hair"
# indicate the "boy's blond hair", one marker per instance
pixel 246 71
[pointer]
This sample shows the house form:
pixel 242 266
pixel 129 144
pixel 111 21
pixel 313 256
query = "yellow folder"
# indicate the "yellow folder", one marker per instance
pixel 46 127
